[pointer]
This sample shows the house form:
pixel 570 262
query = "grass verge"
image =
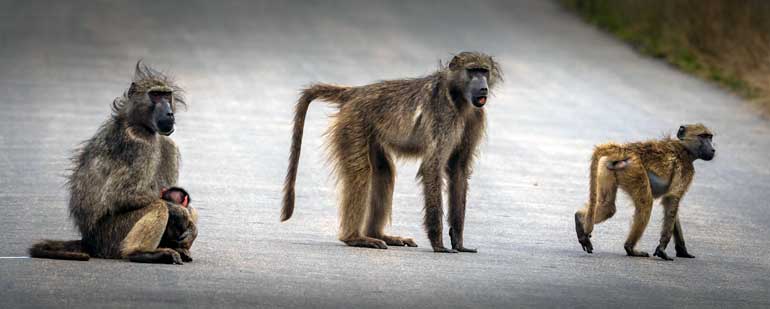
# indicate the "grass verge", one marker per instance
pixel 726 41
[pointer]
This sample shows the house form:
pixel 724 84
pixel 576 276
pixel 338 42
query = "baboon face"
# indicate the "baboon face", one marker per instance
pixel 150 101
pixel 474 74
pixel 697 139
pixel 153 108
pixel 478 88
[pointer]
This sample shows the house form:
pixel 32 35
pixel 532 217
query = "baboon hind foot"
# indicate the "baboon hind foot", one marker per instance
pixel 159 256
pixel 630 251
pixel 661 253
pixel 397 241
pixel 366 242
pixel 583 238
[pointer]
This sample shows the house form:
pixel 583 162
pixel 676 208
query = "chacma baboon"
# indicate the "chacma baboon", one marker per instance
pixel 181 230
pixel 646 171
pixel 438 118
pixel 117 178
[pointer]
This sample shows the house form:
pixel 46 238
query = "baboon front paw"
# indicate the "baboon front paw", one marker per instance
pixel 444 250
pixel 585 242
pixel 583 238
pixel 366 242
pixel 682 253
pixel 464 249
pixel 184 254
pixel 176 258
pixel 662 254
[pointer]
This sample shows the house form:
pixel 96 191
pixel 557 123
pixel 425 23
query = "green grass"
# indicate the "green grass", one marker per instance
pixel 725 41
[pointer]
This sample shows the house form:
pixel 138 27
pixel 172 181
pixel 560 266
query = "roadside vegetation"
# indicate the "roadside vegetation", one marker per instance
pixel 726 41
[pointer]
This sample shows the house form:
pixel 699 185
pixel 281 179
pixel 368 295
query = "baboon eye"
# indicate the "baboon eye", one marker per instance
pixel 157 96
pixel 478 71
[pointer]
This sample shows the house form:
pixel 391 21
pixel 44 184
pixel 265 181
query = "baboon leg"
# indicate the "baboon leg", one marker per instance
pixel 606 193
pixel 354 172
pixel 457 170
pixel 605 187
pixel 381 198
pixel 670 209
pixel 681 249
pixel 430 175
pixel 634 181
pixel 141 243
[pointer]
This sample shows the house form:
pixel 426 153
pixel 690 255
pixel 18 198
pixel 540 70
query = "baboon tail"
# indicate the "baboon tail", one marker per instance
pixel 319 91
pixel 61 250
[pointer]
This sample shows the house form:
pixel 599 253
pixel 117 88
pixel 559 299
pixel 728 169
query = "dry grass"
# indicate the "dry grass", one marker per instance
pixel 727 41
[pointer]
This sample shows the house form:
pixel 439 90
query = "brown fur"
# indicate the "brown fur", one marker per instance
pixel 629 167
pixel 429 118
pixel 117 178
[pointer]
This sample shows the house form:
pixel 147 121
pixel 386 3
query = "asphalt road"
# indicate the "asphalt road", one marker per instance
pixel 568 87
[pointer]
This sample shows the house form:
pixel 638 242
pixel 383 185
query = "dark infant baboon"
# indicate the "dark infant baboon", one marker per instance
pixel 438 118
pixel 118 175
pixel 181 230
pixel 646 171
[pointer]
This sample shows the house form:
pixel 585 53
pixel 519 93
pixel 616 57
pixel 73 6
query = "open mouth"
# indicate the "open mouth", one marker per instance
pixel 166 133
pixel 479 101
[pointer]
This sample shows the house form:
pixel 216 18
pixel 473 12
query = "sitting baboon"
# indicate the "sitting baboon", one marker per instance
pixel 438 118
pixel 646 171
pixel 117 178
pixel 181 230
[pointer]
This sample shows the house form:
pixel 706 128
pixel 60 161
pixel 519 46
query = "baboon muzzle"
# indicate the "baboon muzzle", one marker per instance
pixel 479 91
pixel 164 118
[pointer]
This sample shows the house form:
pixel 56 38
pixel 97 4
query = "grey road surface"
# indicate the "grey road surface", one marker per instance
pixel 567 87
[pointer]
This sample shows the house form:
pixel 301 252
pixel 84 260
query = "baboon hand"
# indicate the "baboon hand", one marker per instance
pixel 188 237
pixel 457 242
pixel 662 254
pixel 184 254
pixel 585 242
pixel 464 249
pixel 176 258
pixel 444 250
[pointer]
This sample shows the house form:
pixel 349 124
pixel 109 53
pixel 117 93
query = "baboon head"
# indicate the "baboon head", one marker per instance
pixel 472 75
pixel 697 139
pixel 150 101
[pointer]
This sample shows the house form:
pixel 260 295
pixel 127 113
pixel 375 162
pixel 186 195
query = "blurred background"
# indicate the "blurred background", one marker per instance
pixel 568 86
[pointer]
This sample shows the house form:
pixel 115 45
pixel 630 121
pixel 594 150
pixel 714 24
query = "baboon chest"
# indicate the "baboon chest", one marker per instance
pixel 658 185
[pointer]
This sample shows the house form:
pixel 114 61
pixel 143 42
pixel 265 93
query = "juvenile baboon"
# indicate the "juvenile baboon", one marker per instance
pixel 438 118
pixel 181 230
pixel 115 185
pixel 646 171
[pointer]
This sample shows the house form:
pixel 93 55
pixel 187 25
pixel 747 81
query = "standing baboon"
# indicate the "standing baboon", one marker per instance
pixel 438 118
pixel 116 182
pixel 646 171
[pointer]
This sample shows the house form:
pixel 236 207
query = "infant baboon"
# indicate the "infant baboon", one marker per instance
pixel 438 118
pixel 118 174
pixel 646 171
pixel 181 230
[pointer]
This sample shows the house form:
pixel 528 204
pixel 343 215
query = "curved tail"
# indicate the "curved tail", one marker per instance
pixel 323 91
pixel 61 250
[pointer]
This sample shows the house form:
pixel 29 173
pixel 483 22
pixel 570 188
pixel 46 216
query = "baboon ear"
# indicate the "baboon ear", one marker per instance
pixel 682 131
pixel 132 89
